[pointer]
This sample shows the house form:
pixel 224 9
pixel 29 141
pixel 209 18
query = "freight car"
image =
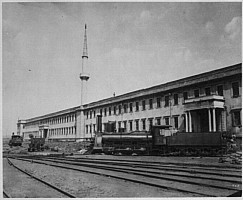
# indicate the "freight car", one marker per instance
pixel 16 140
pixel 161 140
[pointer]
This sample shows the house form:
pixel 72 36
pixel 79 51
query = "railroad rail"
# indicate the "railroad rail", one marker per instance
pixel 6 195
pixel 154 176
pixel 40 180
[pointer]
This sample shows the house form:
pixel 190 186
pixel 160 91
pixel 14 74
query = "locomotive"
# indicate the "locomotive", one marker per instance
pixel 161 140
pixel 36 144
pixel 16 140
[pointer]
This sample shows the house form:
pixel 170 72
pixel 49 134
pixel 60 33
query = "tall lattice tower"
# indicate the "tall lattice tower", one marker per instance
pixel 84 76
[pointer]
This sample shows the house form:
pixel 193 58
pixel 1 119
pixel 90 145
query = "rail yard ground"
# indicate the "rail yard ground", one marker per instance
pixel 96 176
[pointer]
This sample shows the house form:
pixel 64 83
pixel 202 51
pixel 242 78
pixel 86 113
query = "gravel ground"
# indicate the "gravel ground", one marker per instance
pixel 85 185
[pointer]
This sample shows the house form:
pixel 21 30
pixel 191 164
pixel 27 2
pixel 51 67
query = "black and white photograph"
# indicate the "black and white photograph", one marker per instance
pixel 121 99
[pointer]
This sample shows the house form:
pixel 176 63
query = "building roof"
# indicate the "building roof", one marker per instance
pixel 184 82
pixel 50 115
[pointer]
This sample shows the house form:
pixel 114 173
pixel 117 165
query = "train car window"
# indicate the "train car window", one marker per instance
pixel 165 132
pixel 162 132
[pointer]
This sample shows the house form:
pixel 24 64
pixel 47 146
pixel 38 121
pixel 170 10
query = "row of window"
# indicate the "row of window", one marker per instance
pixel 57 120
pixel 236 121
pixel 92 127
pixel 220 90
pixel 63 131
pixel 169 100
pixel 129 107
pixel 89 128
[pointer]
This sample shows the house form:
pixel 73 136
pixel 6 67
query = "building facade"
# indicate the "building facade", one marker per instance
pixel 207 102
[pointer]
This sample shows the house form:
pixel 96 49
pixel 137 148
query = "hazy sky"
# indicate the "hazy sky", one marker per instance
pixel 130 45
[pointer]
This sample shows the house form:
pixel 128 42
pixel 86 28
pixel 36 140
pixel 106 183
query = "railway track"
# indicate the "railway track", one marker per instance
pixel 171 170
pixel 165 166
pixel 155 163
pixel 39 180
pixel 196 181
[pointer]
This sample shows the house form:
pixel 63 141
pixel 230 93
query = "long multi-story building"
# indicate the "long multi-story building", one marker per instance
pixel 207 102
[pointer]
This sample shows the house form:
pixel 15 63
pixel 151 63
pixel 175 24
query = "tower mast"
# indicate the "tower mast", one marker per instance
pixel 83 75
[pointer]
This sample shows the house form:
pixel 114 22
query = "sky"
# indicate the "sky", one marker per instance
pixel 130 46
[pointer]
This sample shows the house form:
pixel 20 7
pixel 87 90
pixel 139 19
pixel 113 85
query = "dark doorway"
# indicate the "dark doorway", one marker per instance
pixel 204 120
pixel 45 133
